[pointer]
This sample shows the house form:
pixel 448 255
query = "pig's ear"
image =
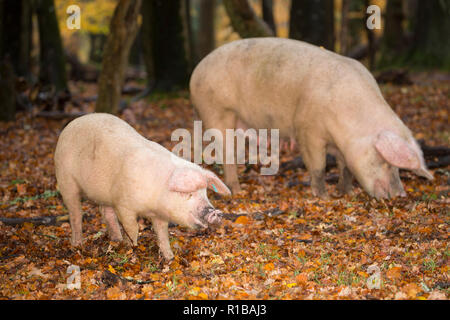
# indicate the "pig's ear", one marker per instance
pixel 397 151
pixel 186 180
pixel 423 172
pixel 214 183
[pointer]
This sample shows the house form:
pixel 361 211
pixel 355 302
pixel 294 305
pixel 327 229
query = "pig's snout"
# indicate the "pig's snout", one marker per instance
pixel 388 190
pixel 211 216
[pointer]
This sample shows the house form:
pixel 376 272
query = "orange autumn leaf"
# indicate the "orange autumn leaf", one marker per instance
pixel 242 220
pixel 111 269
pixel 305 236
pixel 301 278
pixel 202 296
pixel 411 290
pixel 114 293
pixel 394 273
pixel 269 266
pixel 21 189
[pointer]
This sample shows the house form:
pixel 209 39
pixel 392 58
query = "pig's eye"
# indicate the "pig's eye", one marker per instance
pixel 186 195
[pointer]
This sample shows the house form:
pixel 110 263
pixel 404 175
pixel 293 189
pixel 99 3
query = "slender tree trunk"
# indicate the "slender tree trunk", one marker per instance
pixel 15 34
pixel 148 40
pixel 187 34
pixel 344 27
pixel 431 42
pixel 97 42
pixel 7 91
pixel 164 49
pixel 205 35
pixel 313 22
pixel 52 69
pixel 267 11
pixel 136 49
pixel 245 21
pixel 393 41
pixel 356 25
pixel 371 43
pixel 123 30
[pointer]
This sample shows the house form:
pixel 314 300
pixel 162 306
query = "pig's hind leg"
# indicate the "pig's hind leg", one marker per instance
pixel 111 222
pixel 222 121
pixel 72 199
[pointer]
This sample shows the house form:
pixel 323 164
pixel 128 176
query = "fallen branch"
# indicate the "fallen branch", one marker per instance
pixel 255 215
pixel 442 162
pixel 58 115
pixel 110 279
pixel 46 221
pixel 433 152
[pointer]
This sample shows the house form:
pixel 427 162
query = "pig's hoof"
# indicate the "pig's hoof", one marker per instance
pixel 235 189
pixel 323 196
pixel 76 242
pixel 342 193
pixel 165 261
pixel 167 256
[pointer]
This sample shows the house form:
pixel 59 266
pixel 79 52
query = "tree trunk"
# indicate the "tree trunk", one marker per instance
pixel 313 22
pixel 393 41
pixel 7 91
pixel 205 34
pixel 187 35
pixel 97 42
pixel 123 30
pixel 15 34
pixel 267 12
pixel 356 24
pixel 431 43
pixel 136 50
pixel 52 70
pixel 245 21
pixel 343 41
pixel 164 46
pixel 370 42
pixel 148 40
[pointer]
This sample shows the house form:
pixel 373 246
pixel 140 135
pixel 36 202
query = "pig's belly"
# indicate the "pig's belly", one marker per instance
pixel 259 119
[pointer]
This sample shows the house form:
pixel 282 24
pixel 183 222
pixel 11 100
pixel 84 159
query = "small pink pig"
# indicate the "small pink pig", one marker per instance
pixel 103 158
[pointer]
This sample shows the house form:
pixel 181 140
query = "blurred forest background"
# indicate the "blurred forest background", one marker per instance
pixel 157 43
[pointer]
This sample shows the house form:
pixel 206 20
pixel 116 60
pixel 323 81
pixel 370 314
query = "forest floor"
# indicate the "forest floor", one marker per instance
pixel 286 245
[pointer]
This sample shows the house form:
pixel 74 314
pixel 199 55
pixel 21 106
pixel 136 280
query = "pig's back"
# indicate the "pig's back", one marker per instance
pixel 288 82
pixel 273 75
pixel 91 151
pixel 100 131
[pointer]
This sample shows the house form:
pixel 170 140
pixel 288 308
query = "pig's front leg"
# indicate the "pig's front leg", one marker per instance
pixel 345 185
pixel 111 223
pixel 314 156
pixel 162 233
pixel 128 219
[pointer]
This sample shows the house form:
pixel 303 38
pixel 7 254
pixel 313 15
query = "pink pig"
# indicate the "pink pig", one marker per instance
pixel 103 158
pixel 324 102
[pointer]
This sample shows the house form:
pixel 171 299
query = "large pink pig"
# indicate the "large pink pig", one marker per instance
pixel 103 158
pixel 323 101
